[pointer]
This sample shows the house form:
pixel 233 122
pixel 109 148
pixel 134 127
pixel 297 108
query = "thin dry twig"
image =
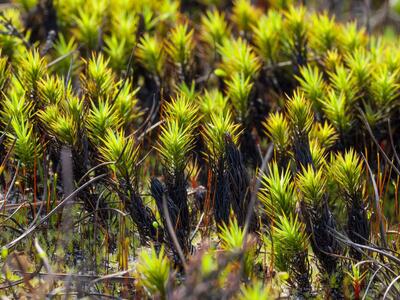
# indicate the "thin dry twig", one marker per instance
pixel 59 206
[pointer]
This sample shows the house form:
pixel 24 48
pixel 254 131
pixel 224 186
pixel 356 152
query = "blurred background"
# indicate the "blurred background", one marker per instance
pixel 376 16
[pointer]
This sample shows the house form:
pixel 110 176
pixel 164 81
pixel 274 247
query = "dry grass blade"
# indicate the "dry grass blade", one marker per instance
pixel 377 205
pixel 172 233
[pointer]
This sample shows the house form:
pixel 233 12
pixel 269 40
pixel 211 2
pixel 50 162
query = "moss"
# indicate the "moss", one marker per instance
pixel 252 147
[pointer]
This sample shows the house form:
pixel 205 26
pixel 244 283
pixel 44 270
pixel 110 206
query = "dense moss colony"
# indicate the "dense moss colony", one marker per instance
pixel 196 150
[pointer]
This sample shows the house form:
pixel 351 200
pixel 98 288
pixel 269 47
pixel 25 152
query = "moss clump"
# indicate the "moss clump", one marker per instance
pixel 197 150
